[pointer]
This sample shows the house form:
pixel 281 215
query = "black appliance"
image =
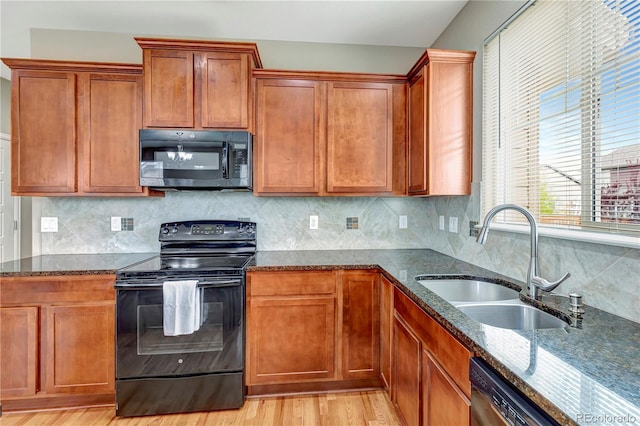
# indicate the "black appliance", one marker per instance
pixel 201 371
pixel 195 159
pixel 495 402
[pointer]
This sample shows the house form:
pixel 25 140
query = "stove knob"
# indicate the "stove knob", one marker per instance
pixel 174 230
pixel 165 231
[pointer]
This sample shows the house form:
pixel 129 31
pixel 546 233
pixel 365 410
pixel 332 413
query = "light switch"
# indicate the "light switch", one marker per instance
pixel 441 222
pixel 402 222
pixel 313 222
pixel 116 223
pixel 48 224
pixel 453 224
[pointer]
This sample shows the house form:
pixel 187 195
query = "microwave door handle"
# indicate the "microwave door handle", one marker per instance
pixel 225 160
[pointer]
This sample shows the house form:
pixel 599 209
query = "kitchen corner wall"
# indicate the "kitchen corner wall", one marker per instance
pixel 606 276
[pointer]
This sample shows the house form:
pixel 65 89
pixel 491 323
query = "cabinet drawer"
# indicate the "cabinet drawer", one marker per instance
pixel 452 355
pixel 290 283
pixel 56 289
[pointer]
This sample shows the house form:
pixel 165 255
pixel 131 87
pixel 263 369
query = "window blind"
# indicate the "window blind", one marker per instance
pixel 561 115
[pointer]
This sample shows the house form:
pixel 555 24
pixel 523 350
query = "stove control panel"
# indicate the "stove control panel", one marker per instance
pixel 213 229
pixel 204 230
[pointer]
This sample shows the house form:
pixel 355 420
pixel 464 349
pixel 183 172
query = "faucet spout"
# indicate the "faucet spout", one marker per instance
pixel 534 281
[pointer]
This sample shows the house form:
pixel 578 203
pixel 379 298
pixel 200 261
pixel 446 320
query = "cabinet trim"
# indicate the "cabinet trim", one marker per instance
pixel 202 45
pixel 328 76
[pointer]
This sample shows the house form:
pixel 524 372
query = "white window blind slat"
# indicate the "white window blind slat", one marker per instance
pixel 561 115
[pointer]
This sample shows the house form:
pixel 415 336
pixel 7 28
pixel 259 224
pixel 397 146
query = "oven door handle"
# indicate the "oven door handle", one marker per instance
pixel 134 284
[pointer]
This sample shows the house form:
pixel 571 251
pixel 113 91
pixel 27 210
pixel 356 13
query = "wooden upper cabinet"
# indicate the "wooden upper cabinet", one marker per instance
pixel 74 128
pixel 109 117
pixel 289 135
pixel 440 123
pixel 168 88
pixel 225 80
pixel 198 84
pixel 43 120
pixel 359 137
pixel 322 133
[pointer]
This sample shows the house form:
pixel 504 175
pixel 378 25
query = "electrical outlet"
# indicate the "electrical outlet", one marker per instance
pixel 48 224
pixel 313 222
pixel 402 222
pixel 116 223
pixel 441 222
pixel 453 224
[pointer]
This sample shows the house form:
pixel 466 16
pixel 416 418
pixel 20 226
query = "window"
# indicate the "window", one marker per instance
pixel 561 124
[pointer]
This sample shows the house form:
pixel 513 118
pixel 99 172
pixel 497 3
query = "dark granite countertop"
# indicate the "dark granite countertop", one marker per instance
pixel 581 375
pixel 70 264
pixel 587 375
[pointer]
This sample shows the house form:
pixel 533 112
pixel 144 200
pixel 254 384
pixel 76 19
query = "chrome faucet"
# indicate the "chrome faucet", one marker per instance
pixel 534 281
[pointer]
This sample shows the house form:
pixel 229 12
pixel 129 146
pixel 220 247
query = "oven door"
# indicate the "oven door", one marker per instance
pixel 142 349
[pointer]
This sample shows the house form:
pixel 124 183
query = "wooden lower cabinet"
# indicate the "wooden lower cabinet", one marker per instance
pixel 312 330
pixel 443 403
pixel 57 342
pixel 406 385
pixel 386 331
pixel 360 325
pixel 78 348
pixel 430 379
pixel 18 351
pixel 292 339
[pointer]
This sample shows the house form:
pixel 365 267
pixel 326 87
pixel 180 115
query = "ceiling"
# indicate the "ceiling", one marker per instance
pixel 379 23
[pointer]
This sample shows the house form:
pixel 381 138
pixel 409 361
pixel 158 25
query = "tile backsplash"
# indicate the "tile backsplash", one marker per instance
pixel 605 275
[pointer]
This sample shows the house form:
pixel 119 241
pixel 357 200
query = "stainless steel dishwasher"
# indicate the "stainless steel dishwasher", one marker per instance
pixel 495 402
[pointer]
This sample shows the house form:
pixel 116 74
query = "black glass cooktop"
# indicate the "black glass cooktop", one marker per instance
pixel 189 264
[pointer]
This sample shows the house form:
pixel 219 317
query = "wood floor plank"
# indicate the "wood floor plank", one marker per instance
pixel 371 408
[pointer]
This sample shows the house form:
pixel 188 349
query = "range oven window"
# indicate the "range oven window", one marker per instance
pixel 144 351
pixel 152 341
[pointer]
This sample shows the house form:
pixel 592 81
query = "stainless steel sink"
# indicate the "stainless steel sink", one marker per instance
pixel 463 290
pixel 513 316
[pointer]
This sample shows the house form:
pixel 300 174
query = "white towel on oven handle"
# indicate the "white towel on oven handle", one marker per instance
pixel 181 307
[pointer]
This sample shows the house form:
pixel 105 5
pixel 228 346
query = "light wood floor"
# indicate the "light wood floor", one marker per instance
pixel 372 408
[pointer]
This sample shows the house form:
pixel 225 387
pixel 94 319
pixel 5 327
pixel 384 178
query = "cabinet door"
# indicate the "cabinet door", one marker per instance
pixel 418 153
pixel 443 403
pixel 292 339
pixel 386 328
pixel 224 90
pixel 109 117
pixel 361 325
pixel 78 348
pixel 168 88
pixel 359 137
pixel 288 137
pixel 407 372
pixel 18 351
pixel 43 150
pixel 449 121
pixel 441 125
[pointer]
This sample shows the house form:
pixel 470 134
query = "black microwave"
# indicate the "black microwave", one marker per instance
pixel 195 159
